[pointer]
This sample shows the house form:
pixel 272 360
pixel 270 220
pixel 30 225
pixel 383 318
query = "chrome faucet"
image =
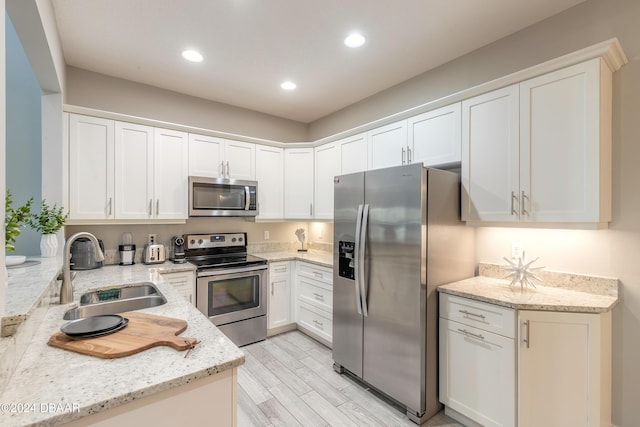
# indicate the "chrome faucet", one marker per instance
pixel 66 290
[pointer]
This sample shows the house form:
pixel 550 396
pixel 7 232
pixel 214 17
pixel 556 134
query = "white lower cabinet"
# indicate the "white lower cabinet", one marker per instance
pixel 477 360
pixel 564 369
pixel 560 365
pixel 184 282
pixel 279 298
pixel 314 301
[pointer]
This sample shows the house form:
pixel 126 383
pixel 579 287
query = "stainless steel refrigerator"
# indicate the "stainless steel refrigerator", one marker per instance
pixel 397 236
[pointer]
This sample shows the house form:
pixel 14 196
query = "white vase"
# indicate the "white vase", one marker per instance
pixel 48 245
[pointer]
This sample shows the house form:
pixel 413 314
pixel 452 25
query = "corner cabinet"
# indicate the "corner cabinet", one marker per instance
pixel 434 137
pixel 327 166
pixel 279 298
pixel 540 151
pixel 564 369
pixel 184 282
pixel 298 183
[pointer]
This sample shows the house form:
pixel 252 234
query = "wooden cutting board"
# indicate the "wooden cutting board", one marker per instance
pixel 143 331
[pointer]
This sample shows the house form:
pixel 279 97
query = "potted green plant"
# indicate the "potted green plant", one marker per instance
pixel 48 222
pixel 14 220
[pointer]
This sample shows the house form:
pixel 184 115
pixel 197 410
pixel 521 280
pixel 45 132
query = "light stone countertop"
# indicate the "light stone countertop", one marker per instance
pixel 46 375
pixel 322 258
pixel 498 291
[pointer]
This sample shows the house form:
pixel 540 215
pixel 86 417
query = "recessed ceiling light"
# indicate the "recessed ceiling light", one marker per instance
pixel 192 55
pixel 354 40
pixel 288 85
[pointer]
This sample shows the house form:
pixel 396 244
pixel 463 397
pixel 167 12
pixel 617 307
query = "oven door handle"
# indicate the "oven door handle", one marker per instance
pixel 226 271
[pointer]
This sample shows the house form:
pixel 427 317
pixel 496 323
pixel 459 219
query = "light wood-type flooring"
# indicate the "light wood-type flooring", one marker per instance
pixel 288 380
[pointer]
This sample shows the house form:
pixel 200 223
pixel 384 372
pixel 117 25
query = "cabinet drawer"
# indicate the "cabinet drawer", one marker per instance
pixel 315 272
pixel 481 315
pixel 316 293
pixel 278 268
pixel 315 320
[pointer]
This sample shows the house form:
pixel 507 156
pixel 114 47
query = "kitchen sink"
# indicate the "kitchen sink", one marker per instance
pixel 117 299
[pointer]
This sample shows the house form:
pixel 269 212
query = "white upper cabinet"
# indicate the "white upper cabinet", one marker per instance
pixel 387 145
pixel 435 136
pixel 134 171
pixel 270 177
pixel 353 154
pixel 327 166
pixel 298 183
pixel 540 151
pixel 171 164
pixel 220 158
pixel 490 156
pixel 565 145
pixel 91 179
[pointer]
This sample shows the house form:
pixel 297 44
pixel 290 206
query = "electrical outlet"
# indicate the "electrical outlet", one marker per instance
pixel 152 238
pixel 266 235
pixel 516 250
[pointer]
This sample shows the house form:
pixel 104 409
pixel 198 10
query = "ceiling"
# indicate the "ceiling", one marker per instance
pixel 251 46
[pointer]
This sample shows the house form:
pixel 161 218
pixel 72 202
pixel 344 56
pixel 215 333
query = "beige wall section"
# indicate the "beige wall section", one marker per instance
pixel 279 232
pixel 93 90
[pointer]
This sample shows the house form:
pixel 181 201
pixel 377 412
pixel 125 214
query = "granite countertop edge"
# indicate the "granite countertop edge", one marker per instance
pixel 540 298
pixel 50 375
pixel 321 258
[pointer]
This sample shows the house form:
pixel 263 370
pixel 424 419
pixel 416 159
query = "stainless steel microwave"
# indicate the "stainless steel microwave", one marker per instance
pixel 222 197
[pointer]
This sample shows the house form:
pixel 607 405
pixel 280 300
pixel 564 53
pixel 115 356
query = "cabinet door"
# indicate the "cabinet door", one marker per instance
pixel 477 373
pixel 298 183
pixel 171 163
pixel 353 154
pixel 184 283
pixel 133 171
pixel 327 166
pixel 91 167
pixel 240 160
pixel 270 177
pixel 206 154
pixel 435 136
pixel 387 145
pixel 564 376
pixel 490 158
pixel 279 295
pixel 560 145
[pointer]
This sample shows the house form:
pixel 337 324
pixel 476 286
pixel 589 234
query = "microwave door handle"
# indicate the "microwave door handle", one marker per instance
pixel 356 266
pixel 363 276
pixel 247 198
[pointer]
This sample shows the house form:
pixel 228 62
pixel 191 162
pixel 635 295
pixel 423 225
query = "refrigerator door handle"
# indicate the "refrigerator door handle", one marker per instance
pixel 363 277
pixel 356 254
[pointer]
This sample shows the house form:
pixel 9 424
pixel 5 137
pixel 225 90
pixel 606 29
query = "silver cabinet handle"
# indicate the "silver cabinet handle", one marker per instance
pixel 513 209
pixel 272 288
pixel 280 270
pixel 403 155
pixel 319 324
pixel 228 170
pixel 310 209
pixel 468 313
pixel 526 339
pixel 470 334
pixel 317 274
pixel 318 296
pixel 150 207
pixel 158 207
pixel 221 169
pixel 408 155
pixel 523 210
pixel 110 205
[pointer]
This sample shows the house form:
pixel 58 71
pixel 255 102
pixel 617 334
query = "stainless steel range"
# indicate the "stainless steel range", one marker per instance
pixel 231 286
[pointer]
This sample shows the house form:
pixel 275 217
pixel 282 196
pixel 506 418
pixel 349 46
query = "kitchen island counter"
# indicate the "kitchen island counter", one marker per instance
pixel 51 386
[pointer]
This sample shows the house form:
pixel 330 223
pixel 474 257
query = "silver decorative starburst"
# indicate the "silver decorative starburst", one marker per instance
pixel 521 271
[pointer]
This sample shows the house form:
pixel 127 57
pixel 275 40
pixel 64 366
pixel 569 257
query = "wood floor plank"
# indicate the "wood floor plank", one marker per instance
pixel 256 391
pixel 359 415
pixel 318 383
pixel 330 413
pixel 297 407
pixel 326 372
pixel 378 408
pixel 282 356
pixel 288 377
pixel 261 373
pixel 249 414
pixel 286 345
pixel 278 414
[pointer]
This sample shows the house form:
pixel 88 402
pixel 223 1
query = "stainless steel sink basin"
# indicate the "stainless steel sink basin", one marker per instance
pixel 117 299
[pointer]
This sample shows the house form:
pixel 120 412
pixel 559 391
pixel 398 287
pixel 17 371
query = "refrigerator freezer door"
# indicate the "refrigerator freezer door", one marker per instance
pixel 347 322
pixel 395 278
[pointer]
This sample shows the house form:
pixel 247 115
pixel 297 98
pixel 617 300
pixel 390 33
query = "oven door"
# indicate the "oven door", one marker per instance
pixel 231 295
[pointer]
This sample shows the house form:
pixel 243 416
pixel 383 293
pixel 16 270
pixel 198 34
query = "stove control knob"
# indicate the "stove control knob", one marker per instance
pixel 240 239
pixel 200 241
pixel 233 240
pixel 192 242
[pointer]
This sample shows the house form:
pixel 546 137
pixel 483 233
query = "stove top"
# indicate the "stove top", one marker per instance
pixel 225 261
